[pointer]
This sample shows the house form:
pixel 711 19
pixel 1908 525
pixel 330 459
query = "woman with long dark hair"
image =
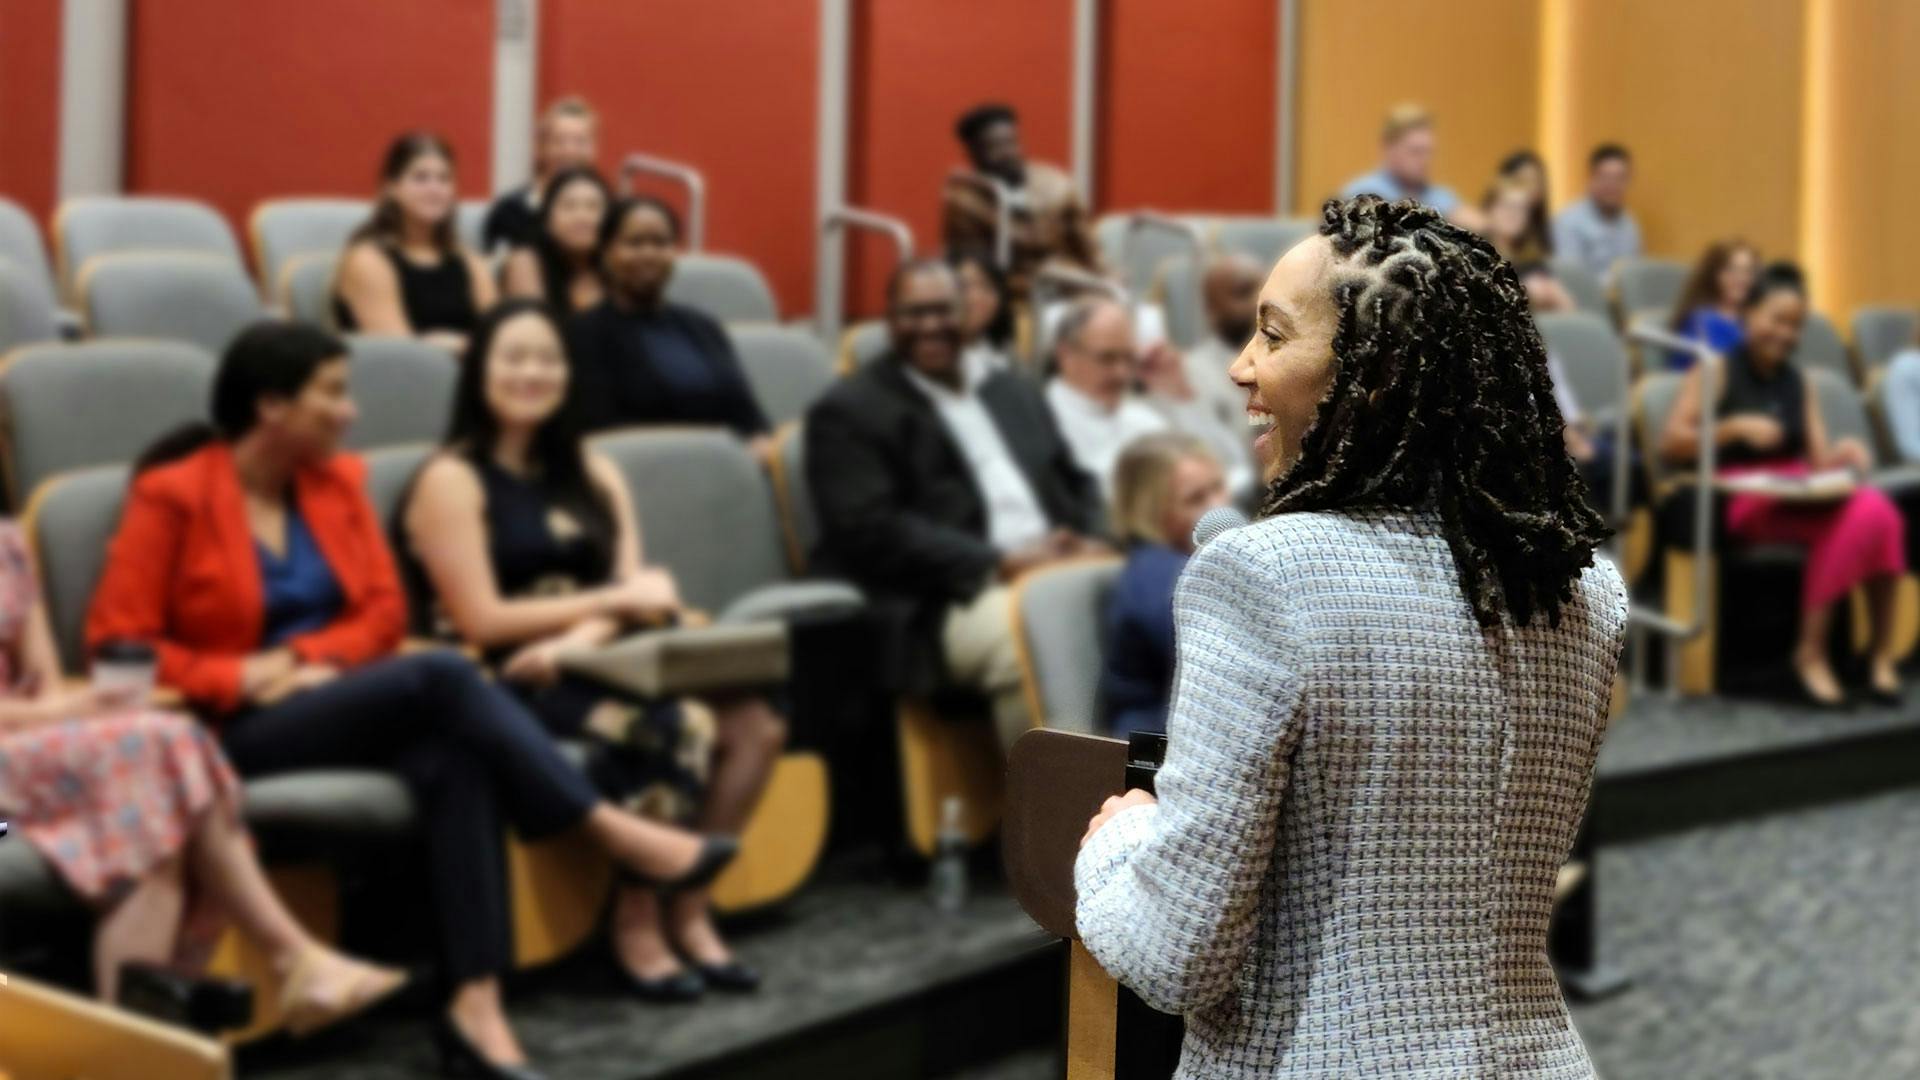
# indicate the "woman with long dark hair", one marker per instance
pixel 987 321
pixel 249 558
pixel 644 359
pixel 529 545
pixel 1526 171
pixel 562 264
pixel 1768 421
pixel 1390 690
pixel 405 271
pixel 1709 307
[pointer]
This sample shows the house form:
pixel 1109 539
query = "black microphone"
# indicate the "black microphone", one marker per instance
pixel 1214 522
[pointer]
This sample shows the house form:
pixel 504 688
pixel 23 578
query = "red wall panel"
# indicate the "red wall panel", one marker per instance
pixel 233 101
pixel 30 103
pixel 916 68
pixel 728 88
pixel 1187 105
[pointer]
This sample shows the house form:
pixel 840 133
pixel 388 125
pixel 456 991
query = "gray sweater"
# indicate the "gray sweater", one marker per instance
pixel 1364 803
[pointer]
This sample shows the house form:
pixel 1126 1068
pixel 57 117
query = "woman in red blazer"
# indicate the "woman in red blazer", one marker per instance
pixel 250 559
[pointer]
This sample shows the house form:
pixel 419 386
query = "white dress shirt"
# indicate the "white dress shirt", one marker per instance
pixel 1014 513
pixel 1096 434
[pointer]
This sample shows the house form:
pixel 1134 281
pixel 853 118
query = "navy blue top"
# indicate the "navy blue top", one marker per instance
pixel 301 592
pixel 1136 678
pixel 668 365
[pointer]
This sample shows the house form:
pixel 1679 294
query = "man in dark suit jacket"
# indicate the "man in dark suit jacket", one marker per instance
pixel 937 483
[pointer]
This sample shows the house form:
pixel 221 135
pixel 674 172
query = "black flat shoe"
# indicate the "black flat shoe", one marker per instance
pixel 1891 699
pixel 715 853
pixel 679 988
pixel 460 1058
pixel 732 977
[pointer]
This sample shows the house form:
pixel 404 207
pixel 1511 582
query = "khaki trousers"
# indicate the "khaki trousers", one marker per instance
pixel 980 653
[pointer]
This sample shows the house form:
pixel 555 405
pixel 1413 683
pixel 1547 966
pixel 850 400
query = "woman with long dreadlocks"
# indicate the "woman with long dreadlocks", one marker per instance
pixel 1390 690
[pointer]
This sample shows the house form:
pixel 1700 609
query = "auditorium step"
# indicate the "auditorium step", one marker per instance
pixel 863 980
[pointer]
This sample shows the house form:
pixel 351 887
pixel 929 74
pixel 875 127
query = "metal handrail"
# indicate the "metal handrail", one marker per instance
pixel 687 176
pixel 1640 619
pixel 837 221
pixel 1003 200
pixel 1052 279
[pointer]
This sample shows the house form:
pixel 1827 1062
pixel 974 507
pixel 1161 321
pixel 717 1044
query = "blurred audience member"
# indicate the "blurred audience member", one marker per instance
pixel 1524 168
pixel 1901 394
pixel 988 318
pixel 938 483
pixel 1599 230
pixel 1708 310
pixel 642 359
pixel 1512 223
pixel 250 559
pixel 1206 402
pixel 1545 294
pixel 562 264
pixel 1049 216
pixel 1092 395
pixel 404 271
pixel 1406 163
pixel 139 813
pixel 568 138
pixel 1162 485
pixel 1767 422
pixel 531 546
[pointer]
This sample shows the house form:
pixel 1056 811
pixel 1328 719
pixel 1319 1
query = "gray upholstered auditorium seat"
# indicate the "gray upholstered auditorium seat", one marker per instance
pixel 1177 290
pixel 1060 615
pixel 1644 283
pixel 470 222
pixel 1591 357
pixel 786 367
pixel 390 471
pixel 1261 237
pixel 100 225
pixel 1879 331
pixel 71 406
pixel 170 296
pixel 1587 292
pixel 403 388
pixel 861 344
pixel 1138 255
pixel 797 516
pixel 1845 415
pixel 1821 348
pixel 28 311
pixel 283 229
pixel 707 513
pixel 305 289
pixel 20 244
pixel 725 287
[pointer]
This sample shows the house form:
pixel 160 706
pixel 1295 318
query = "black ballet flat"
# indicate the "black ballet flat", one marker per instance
pixel 679 988
pixel 732 977
pixel 460 1058
pixel 715 853
pixel 1891 699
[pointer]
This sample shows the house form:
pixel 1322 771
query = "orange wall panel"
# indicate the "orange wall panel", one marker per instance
pixel 30 103
pixel 916 67
pixel 728 88
pixel 234 101
pixel 1186 104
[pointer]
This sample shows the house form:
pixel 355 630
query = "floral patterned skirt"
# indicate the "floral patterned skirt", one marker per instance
pixel 107 799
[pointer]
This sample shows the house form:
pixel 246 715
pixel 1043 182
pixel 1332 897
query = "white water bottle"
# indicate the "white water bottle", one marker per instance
pixel 949 878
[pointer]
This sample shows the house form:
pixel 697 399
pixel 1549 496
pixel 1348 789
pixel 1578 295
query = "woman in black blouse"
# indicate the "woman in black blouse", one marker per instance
pixel 405 272
pixel 642 359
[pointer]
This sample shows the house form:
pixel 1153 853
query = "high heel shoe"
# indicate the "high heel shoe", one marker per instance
pixel 460 1058
pixel 302 1013
pixel 715 853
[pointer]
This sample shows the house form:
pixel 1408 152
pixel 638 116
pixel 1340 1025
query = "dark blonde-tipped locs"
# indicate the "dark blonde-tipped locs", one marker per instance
pixel 1441 397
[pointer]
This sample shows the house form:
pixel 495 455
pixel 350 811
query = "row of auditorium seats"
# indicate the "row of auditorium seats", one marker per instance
pixel 559 886
pixel 66 406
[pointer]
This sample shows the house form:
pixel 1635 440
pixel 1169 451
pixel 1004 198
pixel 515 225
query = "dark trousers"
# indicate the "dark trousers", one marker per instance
pixel 470 753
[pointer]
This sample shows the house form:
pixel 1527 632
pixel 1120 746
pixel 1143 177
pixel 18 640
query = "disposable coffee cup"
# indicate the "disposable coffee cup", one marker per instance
pixel 125 669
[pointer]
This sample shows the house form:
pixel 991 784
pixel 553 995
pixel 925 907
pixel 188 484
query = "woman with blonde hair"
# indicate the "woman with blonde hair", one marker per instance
pixel 1161 486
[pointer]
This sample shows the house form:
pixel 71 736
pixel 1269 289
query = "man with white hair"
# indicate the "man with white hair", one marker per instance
pixel 1092 396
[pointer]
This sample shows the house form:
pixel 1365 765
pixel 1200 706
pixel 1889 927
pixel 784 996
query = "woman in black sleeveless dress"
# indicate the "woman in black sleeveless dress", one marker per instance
pixel 404 272
pixel 529 545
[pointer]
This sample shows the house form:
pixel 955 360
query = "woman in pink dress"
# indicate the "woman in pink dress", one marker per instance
pixel 1768 421
pixel 137 811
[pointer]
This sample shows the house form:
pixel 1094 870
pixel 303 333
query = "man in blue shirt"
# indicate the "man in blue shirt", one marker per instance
pixel 1406 160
